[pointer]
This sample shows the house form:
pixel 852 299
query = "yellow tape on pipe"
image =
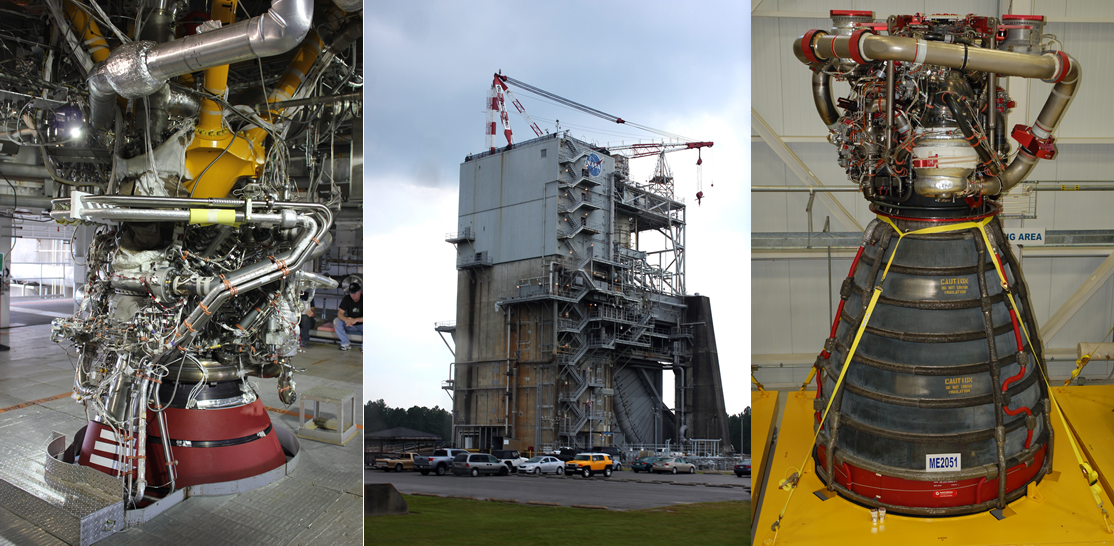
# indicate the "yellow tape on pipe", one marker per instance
pixel 212 216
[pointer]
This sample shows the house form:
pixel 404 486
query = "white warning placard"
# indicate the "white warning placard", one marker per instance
pixel 943 462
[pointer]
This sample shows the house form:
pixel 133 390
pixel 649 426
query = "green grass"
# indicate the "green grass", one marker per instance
pixel 459 522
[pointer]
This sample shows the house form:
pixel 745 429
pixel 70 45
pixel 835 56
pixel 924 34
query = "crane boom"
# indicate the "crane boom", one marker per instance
pixel 634 151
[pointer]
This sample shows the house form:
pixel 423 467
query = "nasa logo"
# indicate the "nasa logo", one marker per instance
pixel 594 164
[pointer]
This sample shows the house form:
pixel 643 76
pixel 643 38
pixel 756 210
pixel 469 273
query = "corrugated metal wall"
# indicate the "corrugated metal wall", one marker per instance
pixel 790 290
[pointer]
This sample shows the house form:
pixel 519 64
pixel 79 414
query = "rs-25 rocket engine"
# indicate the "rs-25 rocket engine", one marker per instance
pixel 941 407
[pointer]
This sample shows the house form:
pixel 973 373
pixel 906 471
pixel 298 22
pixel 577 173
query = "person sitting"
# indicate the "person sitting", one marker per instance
pixel 350 316
pixel 307 323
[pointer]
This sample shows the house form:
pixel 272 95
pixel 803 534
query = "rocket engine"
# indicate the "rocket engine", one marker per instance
pixel 202 244
pixel 930 395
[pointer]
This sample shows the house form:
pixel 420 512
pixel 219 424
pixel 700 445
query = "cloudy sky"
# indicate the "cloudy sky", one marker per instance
pixel 672 66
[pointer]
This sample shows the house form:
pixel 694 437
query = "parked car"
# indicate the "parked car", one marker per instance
pixel 509 457
pixel 673 465
pixel 643 464
pixel 543 464
pixel 743 468
pixel 587 464
pixel 475 464
pixel 567 453
pixel 440 462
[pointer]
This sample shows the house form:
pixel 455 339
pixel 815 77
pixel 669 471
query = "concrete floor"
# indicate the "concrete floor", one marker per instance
pixel 321 502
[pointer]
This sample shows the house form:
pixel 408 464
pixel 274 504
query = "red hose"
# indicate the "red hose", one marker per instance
pixel 1017 335
pixel 1029 435
pixel 839 312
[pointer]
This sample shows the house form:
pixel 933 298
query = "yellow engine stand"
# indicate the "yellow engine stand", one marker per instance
pixel 207 154
pixel 216 157
pixel 1061 511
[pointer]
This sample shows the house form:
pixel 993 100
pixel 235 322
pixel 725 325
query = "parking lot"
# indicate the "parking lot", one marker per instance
pixel 624 490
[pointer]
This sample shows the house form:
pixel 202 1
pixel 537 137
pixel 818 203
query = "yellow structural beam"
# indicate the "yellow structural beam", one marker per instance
pixel 211 117
pixel 290 81
pixel 1060 510
pixel 217 157
pixel 89 31
pixel 763 415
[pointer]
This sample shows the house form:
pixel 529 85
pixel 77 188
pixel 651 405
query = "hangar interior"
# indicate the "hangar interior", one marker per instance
pixel 179 182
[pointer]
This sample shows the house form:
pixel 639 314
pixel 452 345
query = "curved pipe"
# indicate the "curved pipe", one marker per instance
pixel 1058 68
pixel 822 96
pixel 140 68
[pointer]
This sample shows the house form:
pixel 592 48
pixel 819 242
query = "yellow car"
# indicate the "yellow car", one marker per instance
pixel 587 464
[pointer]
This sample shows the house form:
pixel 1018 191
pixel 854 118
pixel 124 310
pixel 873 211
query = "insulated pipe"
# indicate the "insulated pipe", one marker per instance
pixel 141 68
pixel 1058 68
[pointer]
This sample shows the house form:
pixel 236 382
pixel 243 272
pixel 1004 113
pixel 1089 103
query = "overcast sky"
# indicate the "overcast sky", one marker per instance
pixel 673 66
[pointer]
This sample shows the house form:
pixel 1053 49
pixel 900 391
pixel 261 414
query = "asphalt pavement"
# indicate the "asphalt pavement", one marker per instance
pixel 624 490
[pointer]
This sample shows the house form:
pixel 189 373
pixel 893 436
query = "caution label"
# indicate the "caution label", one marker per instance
pixel 959 385
pixel 943 462
pixel 954 285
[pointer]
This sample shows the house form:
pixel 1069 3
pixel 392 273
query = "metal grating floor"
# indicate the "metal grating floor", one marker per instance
pixel 320 503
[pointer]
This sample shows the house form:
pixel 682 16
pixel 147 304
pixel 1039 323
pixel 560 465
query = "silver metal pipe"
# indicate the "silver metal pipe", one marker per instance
pixel 167 455
pixel 822 97
pixel 315 278
pixel 141 68
pixel 1057 67
pixel 22 170
pixel 889 103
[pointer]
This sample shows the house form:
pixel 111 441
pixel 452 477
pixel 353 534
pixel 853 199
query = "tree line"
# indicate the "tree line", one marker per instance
pixel 379 416
pixel 739 426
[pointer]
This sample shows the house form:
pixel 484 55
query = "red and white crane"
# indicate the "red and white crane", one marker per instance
pixel 497 109
pixel 497 113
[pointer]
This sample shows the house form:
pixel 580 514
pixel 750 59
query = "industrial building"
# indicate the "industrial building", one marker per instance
pixel 931 263
pixel 182 181
pixel 572 307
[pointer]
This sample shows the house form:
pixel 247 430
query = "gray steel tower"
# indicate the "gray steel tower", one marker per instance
pixel 571 305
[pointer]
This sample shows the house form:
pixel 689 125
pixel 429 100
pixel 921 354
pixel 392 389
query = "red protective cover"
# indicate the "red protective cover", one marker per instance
pixel 918 494
pixel 198 465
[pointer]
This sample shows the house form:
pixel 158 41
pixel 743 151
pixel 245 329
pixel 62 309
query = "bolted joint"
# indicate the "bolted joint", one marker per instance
pixel 1043 148
pixel 845 288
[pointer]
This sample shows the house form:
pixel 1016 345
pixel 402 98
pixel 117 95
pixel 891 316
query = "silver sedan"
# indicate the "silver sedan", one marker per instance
pixel 673 465
pixel 542 465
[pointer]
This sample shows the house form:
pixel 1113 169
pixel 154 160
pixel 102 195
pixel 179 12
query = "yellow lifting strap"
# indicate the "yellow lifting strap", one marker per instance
pixel 1083 360
pixel 790 483
pixel 1089 474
